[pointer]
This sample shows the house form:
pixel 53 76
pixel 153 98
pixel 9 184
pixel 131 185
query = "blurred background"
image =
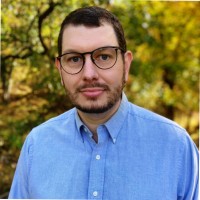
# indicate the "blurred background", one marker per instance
pixel 164 76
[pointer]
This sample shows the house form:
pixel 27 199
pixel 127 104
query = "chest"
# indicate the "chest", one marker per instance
pixel 107 171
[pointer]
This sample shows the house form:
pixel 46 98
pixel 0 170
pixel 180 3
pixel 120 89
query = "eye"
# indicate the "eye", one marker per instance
pixel 105 54
pixel 104 57
pixel 74 59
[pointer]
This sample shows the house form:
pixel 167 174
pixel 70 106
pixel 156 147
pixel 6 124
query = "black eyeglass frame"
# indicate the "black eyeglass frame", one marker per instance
pixel 91 53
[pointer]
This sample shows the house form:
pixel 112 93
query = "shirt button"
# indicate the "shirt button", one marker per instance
pixel 98 157
pixel 95 193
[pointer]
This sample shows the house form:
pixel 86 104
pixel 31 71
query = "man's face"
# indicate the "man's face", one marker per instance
pixel 94 90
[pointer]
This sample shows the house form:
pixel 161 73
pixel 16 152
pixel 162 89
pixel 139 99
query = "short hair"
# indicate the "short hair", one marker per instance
pixel 92 16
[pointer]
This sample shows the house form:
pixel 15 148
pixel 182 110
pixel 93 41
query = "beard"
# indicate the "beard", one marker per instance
pixel 95 106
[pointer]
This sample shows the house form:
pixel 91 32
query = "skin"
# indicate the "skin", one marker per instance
pixel 92 88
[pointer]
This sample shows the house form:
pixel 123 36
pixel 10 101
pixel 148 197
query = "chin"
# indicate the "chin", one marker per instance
pixel 95 109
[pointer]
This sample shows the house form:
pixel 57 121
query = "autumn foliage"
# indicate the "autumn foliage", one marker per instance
pixel 164 76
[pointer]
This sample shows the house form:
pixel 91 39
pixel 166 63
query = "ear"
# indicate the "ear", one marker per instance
pixel 128 57
pixel 57 64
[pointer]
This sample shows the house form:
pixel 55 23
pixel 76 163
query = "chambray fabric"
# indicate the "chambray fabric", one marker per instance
pixel 140 156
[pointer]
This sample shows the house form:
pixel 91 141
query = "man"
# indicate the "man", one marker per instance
pixel 105 147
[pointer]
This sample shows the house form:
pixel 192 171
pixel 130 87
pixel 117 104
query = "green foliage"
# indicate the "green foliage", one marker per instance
pixel 163 36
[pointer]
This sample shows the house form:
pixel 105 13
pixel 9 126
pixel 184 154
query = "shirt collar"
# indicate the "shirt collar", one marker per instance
pixel 114 124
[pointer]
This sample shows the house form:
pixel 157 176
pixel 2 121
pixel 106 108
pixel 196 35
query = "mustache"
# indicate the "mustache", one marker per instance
pixel 92 85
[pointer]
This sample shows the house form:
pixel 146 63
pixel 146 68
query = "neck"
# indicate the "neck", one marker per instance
pixel 92 120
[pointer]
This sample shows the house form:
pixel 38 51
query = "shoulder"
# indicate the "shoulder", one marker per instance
pixel 68 115
pixel 149 116
pixel 160 130
pixel 55 125
pixel 155 124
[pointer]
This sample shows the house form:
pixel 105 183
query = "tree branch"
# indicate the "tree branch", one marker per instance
pixel 41 18
pixel 19 54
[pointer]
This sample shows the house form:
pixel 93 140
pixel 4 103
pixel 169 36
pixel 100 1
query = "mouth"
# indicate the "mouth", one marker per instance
pixel 92 92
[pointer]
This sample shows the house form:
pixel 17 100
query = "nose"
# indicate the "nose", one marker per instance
pixel 89 69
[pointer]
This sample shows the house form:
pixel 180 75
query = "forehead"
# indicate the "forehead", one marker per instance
pixel 82 38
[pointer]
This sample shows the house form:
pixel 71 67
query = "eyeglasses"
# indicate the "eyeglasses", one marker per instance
pixel 103 57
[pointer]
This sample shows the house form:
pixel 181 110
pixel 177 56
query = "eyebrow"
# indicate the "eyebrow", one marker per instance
pixel 77 51
pixel 70 51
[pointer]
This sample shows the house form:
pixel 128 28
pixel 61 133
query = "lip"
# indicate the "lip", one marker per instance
pixel 92 92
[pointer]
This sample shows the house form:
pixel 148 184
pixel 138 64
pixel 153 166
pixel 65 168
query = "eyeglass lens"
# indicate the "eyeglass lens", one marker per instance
pixel 103 58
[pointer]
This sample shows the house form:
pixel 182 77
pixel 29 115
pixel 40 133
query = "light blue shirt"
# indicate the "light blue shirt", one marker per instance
pixel 140 156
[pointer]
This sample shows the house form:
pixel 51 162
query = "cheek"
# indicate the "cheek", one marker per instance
pixel 114 77
pixel 69 82
pixel 119 72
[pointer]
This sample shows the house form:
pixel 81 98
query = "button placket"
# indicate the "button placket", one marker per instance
pixel 97 167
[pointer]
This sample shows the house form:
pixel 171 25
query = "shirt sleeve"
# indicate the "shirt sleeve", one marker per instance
pixel 189 171
pixel 19 187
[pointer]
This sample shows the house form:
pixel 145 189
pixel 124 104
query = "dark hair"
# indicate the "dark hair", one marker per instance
pixel 92 17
